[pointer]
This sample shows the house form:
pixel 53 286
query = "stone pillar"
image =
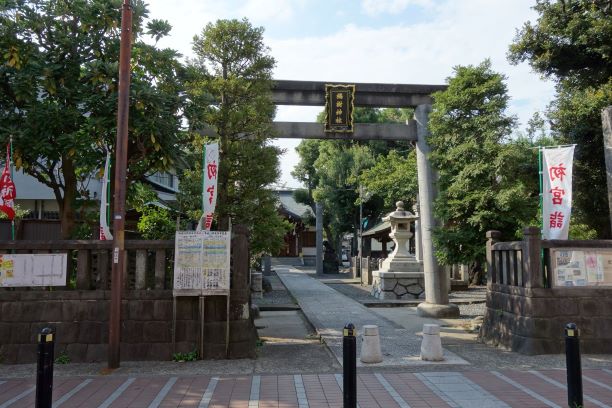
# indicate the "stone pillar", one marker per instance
pixel 319 237
pixel 606 119
pixel 532 258
pixel 436 282
pixel 418 246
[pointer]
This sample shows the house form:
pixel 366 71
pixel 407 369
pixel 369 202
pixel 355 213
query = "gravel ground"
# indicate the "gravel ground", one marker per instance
pixel 471 302
pixel 278 296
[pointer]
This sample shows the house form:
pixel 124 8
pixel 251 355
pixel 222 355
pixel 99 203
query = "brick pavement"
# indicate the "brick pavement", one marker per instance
pixel 466 389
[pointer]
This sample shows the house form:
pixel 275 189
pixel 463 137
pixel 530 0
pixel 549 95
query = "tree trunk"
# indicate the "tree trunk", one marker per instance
pixel 476 276
pixel 67 212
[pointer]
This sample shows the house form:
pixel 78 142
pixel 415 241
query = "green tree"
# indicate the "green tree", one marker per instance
pixel 393 178
pixel 230 92
pixel 58 93
pixel 332 171
pixel 479 190
pixel 571 42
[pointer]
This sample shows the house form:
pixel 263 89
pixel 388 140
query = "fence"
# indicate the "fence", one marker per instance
pixel 149 264
pixel 526 312
pixel 79 312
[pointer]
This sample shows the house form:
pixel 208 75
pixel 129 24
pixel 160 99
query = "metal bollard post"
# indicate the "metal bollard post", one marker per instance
pixel 573 367
pixel 44 371
pixel 349 365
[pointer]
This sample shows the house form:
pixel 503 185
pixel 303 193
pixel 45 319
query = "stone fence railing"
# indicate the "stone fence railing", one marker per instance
pixel 149 263
pixel 150 329
pixel 525 312
pixel 519 263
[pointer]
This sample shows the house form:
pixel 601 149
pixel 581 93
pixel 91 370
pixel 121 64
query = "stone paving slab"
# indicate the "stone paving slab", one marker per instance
pixel 469 389
pixel 328 311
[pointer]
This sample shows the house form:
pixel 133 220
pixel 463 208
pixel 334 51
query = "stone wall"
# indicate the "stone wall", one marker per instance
pixel 81 322
pixel 532 320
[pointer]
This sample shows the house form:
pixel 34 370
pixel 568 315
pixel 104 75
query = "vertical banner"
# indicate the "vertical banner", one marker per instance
pixel 105 233
pixel 557 192
pixel 7 188
pixel 209 185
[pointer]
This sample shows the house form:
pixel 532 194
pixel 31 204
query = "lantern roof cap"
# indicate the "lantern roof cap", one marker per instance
pixel 400 214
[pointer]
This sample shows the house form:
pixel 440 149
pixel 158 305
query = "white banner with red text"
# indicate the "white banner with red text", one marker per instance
pixel 209 185
pixel 556 191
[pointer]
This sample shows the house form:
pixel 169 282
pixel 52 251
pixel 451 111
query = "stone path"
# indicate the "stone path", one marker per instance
pixel 471 389
pixel 328 311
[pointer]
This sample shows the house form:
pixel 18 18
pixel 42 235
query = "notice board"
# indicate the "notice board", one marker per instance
pixel 202 263
pixel 581 267
pixel 33 270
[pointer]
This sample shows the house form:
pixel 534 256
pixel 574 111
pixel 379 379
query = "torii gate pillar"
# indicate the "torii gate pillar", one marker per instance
pixel 436 282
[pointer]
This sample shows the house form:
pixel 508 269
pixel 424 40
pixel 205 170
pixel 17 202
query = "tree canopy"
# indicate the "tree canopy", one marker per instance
pixel 479 188
pixel 229 93
pixel 571 43
pixel 334 172
pixel 58 98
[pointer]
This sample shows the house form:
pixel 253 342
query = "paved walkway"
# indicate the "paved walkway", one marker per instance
pixel 328 311
pixel 471 389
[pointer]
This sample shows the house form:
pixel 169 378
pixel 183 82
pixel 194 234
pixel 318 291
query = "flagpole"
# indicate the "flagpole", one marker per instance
pixel 541 192
pixel 203 174
pixel 12 178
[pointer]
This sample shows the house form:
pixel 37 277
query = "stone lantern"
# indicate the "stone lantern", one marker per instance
pixel 400 221
pixel 401 274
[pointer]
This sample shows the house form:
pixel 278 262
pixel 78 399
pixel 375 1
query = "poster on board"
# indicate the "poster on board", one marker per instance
pixel 202 263
pixel 578 267
pixel 19 270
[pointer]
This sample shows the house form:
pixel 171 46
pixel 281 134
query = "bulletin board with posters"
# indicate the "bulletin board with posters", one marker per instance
pixel 22 270
pixel 575 267
pixel 202 263
pixel 202 268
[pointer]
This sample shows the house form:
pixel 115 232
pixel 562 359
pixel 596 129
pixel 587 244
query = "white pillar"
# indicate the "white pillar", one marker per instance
pixel 436 282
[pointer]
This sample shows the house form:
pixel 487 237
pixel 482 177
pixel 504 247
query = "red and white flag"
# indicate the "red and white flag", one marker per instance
pixel 105 233
pixel 557 192
pixel 209 185
pixel 7 188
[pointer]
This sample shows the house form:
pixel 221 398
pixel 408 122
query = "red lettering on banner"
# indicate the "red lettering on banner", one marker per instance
pixel 557 172
pixel 208 221
pixel 211 193
pixel 556 220
pixel 212 170
pixel 557 195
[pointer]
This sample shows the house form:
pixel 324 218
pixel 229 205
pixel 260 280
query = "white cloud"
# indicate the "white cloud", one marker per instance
pixel 376 7
pixel 460 33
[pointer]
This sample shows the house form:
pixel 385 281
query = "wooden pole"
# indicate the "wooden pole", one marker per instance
pixel 114 337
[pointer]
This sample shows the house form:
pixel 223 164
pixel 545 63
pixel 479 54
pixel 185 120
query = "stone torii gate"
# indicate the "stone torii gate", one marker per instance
pixel 312 93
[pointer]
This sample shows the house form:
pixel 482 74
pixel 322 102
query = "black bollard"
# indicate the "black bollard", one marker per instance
pixel 349 364
pixel 44 372
pixel 573 367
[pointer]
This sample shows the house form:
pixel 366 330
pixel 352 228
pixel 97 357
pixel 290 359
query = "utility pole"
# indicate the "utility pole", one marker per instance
pixel 118 265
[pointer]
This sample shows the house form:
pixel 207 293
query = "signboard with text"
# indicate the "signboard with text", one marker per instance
pixel 202 263
pixel 339 106
pixel 33 270
pixel 581 267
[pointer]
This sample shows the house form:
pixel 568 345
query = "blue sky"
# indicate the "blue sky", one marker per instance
pixel 389 41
